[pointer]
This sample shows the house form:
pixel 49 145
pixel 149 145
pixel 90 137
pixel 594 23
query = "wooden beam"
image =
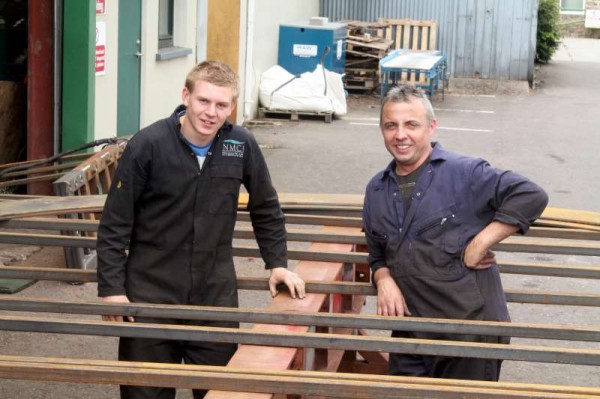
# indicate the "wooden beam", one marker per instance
pixel 346 385
pixel 282 358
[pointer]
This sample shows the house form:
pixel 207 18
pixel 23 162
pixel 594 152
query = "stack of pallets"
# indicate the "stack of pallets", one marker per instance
pixel 366 45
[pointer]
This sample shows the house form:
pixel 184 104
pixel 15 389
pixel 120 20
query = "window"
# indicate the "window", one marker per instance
pixel 172 29
pixel 572 6
pixel 165 23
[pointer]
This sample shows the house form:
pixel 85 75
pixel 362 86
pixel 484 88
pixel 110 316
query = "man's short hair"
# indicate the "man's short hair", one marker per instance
pixel 407 93
pixel 216 73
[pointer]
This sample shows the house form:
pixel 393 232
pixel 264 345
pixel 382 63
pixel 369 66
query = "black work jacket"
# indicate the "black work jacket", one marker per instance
pixel 178 219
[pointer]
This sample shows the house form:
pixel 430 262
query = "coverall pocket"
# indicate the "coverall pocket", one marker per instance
pixel 436 224
pixel 438 240
pixel 225 184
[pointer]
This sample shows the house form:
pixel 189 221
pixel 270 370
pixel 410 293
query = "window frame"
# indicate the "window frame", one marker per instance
pixel 166 22
pixel 572 11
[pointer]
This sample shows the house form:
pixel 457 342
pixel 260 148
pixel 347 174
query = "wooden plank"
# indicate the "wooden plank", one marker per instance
pixel 250 356
pixel 294 115
pixel 299 382
pixel 51 206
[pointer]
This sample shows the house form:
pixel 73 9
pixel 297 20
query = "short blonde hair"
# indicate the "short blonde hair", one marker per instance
pixel 216 73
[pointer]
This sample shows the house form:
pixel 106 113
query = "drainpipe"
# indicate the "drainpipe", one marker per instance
pixel 249 69
pixel 57 75
pixel 202 30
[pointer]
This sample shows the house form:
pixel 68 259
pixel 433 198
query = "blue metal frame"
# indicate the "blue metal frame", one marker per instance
pixel 435 74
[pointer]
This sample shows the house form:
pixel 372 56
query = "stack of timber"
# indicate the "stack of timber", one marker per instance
pixel 366 45
pixel 18 174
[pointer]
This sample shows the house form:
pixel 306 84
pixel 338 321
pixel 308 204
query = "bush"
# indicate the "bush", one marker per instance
pixel 548 30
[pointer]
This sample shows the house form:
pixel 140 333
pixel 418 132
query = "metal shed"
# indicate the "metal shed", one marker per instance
pixel 487 39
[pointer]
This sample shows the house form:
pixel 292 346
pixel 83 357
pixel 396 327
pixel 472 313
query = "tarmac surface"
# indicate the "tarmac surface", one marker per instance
pixel 551 136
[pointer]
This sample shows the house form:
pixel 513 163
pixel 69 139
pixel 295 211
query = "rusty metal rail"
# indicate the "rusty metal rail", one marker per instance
pixel 344 288
pixel 266 316
pixel 91 177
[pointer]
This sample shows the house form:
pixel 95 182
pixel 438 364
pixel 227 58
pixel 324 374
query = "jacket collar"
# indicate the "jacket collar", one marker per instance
pixel 181 110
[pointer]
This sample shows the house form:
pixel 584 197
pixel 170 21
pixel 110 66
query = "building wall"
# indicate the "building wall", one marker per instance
pixel 105 105
pixel 574 26
pixel 259 42
pixel 161 81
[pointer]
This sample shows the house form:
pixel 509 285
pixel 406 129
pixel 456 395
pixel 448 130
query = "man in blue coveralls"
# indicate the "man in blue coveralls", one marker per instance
pixel 430 219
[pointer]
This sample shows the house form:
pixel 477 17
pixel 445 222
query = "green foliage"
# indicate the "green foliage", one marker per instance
pixel 548 30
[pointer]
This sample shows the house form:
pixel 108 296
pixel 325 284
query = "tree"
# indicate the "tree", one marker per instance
pixel 548 30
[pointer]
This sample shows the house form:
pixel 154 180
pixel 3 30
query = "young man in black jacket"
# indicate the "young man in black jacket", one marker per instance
pixel 173 203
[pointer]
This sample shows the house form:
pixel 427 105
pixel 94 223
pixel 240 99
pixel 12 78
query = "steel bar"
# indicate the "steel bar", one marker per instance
pixel 346 385
pixel 545 269
pixel 81 156
pixel 562 247
pixel 47 240
pixel 325 220
pixel 311 340
pixel 555 247
pixel 553 298
pixel 37 179
pixel 357 321
pixel 323 256
pixel 546 232
pixel 293 234
pixel 57 224
pixel 43 169
pixel 347 288
pixel 555 232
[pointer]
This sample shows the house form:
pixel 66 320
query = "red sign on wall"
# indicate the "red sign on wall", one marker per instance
pixel 100 48
pixel 100 7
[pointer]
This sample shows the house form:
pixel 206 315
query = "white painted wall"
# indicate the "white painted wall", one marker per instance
pixel 263 20
pixel 105 121
pixel 162 81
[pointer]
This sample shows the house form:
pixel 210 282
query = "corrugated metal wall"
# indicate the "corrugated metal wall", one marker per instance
pixel 490 39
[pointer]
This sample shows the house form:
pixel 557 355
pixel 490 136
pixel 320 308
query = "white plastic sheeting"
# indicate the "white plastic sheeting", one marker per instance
pixel 310 92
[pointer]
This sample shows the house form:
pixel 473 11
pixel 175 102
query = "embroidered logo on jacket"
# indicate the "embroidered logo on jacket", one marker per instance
pixel 233 148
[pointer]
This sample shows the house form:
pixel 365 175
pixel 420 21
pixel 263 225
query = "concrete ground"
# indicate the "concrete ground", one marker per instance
pixel 550 136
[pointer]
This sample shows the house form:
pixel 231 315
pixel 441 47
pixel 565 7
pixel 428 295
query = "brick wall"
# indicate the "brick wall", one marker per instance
pixel 574 26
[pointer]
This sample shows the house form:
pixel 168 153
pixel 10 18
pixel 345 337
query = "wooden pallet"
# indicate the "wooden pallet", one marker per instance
pixel 375 49
pixel 411 34
pixel 293 115
pixel 415 35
